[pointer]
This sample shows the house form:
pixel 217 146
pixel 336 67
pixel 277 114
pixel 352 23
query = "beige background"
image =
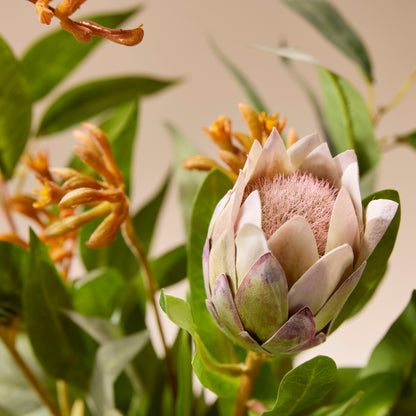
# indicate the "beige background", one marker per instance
pixel 175 44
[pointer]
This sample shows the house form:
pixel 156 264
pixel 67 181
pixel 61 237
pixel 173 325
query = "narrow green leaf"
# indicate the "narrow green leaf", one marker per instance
pixel 222 379
pixel 117 255
pixel 408 138
pixel 145 219
pixel 210 192
pixel 329 22
pixel 98 293
pixel 189 181
pixel 252 96
pixel 15 265
pixel 89 99
pixel 184 398
pixel 58 343
pixel 111 359
pixel 121 129
pixel 170 267
pixel 16 395
pixel 51 59
pixel 348 120
pixel 15 110
pixel 289 52
pixel 396 352
pixel 341 409
pixel 305 386
pixel 376 264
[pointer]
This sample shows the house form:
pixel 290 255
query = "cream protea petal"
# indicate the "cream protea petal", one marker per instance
pixel 378 216
pixel 218 210
pixel 320 163
pixel 299 150
pixel 205 266
pixel 350 181
pixel 295 255
pixel 228 214
pixel 344 159
pixel 316 285
pixel 252 159
pixel 222 257
pixel 337 300
pixel 263 288
pixel 273 158
pixel 223 301
pixel 250 212
pixel 299 329
pixel 250 244
pixel 343 227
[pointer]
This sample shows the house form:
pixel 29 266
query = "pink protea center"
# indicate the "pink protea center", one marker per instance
pixel 282 197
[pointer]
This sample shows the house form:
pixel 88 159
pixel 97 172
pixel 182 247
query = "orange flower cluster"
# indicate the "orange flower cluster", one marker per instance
pixel 84 29
pixel 65 189
pixel 234 146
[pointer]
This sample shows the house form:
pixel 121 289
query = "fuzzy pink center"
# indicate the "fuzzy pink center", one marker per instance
pixel 283 197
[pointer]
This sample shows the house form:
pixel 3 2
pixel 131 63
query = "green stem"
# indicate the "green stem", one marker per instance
pixel 28 373
pixel 252 366
pixel 136 248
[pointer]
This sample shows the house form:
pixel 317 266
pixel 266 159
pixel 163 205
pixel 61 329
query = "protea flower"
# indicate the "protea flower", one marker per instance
pixel 288 244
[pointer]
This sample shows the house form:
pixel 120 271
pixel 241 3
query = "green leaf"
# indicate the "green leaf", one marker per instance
pixel 15 265
pixel 51 59
pixel 408 138
pixel 222 379
pixel 146 218
pixel 189 181
pixel 15 110
pixel 111 359
pixel 58 343
pixel 341 409
pixel 89 99
pixel 117 255
pixel 184 371
pixel 210 192
pixel 305 386
pixel 376 264
pixel 121 130
pixel 327 20
pixel 396 352
pixel 170 267
pixel 98 293
pixel 249 91
pixel 348 120
pixel 16 394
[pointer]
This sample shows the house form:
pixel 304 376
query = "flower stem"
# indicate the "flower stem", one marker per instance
pixel 136 248
pixel 6 334
pixel 3 200
pixel 252 366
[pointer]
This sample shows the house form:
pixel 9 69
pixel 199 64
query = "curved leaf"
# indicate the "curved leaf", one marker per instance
pixel 305 386
pixel 188 181
pixel 212 189
pixel 170 267
pixel 89 99
pixel 252 96
pixel 348 119
pixel 52 58
pixel 327 20
pixel 15 110
pixel 60 346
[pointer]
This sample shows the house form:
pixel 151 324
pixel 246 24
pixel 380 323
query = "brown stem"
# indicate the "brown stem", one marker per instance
pixel 30 376
pixel 252 365
pixel 4 194
pixel 136 248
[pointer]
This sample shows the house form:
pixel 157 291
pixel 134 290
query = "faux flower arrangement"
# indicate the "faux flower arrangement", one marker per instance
pixel 281 247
